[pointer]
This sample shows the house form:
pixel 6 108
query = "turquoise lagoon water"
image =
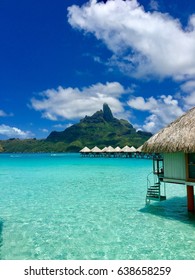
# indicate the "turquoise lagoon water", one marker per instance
pixel 67 207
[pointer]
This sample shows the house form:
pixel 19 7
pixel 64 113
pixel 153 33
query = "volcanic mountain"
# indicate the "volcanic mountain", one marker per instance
pixel 101 129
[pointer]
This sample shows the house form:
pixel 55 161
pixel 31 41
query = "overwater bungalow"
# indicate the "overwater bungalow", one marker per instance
pixel 113 152
pixel 139 150
pixel 139 153
pixel 128 151
pixel 117 149
pixel 133 149
pixel 176 144
pixel 104 149
pixel 85 151
pixel 110 151
pixel 96 151
pixel 117 152
pixel 125 149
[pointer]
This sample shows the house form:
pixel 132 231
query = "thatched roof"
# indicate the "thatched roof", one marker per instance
pixel 117 149
pixel 85 150
pixel 133 149
pixel 178 136
pixel 104 149
pixel 96 150
pixel 139 149
pixel 110 149
pixel 126 149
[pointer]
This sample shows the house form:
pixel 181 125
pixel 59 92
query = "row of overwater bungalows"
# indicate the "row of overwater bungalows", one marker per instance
pixel 112 152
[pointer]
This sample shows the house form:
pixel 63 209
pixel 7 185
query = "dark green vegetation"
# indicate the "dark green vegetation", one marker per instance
pixel 31 146
pixel 101 129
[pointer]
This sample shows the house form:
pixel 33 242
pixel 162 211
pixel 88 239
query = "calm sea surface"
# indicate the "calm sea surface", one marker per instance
pixel 64 206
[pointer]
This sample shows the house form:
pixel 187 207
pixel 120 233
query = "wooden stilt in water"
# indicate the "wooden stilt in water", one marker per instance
pixel 190 198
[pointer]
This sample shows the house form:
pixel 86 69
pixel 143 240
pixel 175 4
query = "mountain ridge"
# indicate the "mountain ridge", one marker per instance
pixel 101 129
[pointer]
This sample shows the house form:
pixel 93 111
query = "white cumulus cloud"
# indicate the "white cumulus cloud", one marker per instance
pixel 143 43
pixel 139 103
pixel 162 111
pixel 14 132
pixel 73 103
pixel 188 89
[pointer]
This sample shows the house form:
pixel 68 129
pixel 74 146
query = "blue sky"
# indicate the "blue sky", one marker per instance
pixel 61 60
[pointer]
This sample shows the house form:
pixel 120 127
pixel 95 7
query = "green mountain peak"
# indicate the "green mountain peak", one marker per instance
pixel 101 129
pixel 107 113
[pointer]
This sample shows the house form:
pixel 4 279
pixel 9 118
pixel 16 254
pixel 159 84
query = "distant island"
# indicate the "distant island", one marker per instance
pixel 101 129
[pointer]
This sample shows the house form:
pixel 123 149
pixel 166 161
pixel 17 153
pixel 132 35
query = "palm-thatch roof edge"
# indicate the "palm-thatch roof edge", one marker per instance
pixel 178 136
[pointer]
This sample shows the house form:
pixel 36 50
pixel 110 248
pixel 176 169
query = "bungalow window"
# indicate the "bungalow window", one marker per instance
pixel 158 166
pixel 190 167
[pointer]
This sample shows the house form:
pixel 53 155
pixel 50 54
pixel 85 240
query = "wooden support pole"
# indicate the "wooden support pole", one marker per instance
pixel 190 198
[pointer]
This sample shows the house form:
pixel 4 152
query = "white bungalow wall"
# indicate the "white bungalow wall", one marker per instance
pixel 174 166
